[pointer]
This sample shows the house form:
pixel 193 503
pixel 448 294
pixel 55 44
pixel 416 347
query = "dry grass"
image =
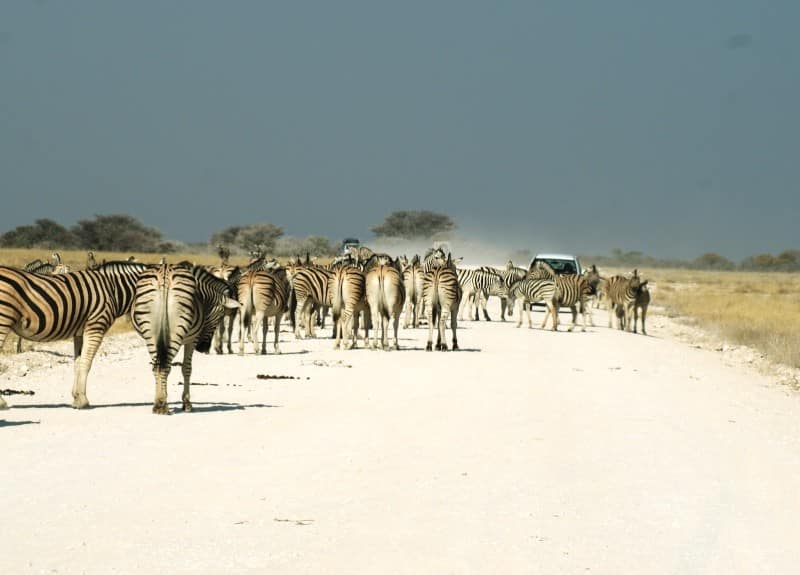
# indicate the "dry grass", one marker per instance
pixel 760 310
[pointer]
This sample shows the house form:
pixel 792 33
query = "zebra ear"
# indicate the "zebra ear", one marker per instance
pixel 644 283
pixel 636 273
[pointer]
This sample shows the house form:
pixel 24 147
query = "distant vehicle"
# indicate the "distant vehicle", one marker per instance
pixel 561 263
pixel 348 243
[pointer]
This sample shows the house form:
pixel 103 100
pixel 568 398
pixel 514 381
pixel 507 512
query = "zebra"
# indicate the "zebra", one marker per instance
pixel 531 290
pixel 475 286
pixel 177 305
pixel 434 258
pixel 80 304
pixel 573 290
pixel 441 293
pixel 386 294
pixel 310 292
pixel 262 294
pixel 91 262
pixel 642 302
pixel 360 253
pixel 54 266
pixel 412 281
pixel 509 275
pixel 231 275
pixel 594 279
pixel 347 287
pixel 622 291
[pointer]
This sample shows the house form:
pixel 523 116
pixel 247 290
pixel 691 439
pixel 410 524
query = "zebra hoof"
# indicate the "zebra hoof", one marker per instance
pixel 80 403
pixel 161 409
pixel 429 346
pixel 187 406
pixel 455 346
pixel 443 347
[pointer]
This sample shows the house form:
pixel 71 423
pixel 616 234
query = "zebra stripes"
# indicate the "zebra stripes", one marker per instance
pixel 81 305
pixel 622 291
pixel 385 295
pixel 231 275
pixel 348 299
pixel 177 305
pixel 412 281
pixel 475 286
pixel 573 290
pixel 441 293
pixel 262 294
pixel 310 292
pixel 532 290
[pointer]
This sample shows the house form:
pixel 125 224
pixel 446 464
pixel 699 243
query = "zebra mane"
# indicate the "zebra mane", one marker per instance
pixel 547 268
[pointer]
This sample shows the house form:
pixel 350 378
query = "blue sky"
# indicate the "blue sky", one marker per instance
pixel 670 128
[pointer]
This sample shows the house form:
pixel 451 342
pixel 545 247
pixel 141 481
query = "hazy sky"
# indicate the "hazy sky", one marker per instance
pixel 667 127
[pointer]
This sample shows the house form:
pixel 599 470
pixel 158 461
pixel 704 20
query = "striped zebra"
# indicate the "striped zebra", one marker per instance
pixel 54 266
pixel 412 281
pixel 37 266
pixel 434 258
pixel 594 279
pixel 262 294
pixel 441 293
pixel 310 293
pixel 81 305
pixel 509 276
pixel 573 292
pixel 177 305
pixel 641 303
pixel 475 287
pixel 386 295
pixel 360 253
pixel 531 290
pixel 231 275
pixel 347 287
pixel 622 291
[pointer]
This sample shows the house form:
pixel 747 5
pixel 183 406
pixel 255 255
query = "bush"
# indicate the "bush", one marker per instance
pixel 413 225
pixel 44 233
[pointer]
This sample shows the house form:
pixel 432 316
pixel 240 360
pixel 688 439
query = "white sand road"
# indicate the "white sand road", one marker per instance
pixel 527 452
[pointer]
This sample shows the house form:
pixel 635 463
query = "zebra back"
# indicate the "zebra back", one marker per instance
pixel 64 305
pixel 164 311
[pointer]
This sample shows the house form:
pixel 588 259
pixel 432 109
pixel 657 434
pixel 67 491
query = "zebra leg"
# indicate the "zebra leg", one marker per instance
pixel 375 322
pixel 85 349
pixel 453 326
pixel 644 314
pixel 429 345
pixel 574 311
pixel 396 326
pixel 441 338
pixel 527 306
pixel 264 331
pixel 186 371
pixel 160 406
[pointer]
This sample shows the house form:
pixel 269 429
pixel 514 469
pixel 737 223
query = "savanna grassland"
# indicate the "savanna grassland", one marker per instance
pixel 756 309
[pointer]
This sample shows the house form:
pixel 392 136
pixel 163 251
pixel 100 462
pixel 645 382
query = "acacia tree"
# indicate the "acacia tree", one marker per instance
pixel 257 236
pixel 413 224
pixel 119 233
pixel 44 233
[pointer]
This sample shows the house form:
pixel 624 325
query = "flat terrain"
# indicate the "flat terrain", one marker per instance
pixel 527 452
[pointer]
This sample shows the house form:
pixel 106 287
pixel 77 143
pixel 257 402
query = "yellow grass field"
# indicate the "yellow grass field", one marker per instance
pixel 761 310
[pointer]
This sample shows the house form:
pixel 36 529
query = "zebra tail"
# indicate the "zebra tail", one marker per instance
pixel 248 310
pixel 162 359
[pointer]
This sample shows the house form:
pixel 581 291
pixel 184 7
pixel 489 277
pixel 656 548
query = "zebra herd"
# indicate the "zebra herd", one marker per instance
pixel 190 306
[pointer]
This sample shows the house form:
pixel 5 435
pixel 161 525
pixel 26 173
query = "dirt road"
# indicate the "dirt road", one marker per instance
pixel 527 452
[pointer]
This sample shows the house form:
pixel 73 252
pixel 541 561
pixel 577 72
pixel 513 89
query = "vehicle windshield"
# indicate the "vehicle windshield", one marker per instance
pixel 560 266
